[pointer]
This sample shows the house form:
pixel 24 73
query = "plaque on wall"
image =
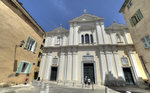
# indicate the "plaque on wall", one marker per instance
pixel 125 61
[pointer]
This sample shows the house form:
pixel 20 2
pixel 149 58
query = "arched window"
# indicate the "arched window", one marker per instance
pixel 82 38
pixel 118 38
pixel 86 38
pixel 91 38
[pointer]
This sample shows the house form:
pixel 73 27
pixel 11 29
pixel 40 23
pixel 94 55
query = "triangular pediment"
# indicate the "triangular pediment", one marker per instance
pixel 116 26
pixel 86 17
pixel 59 30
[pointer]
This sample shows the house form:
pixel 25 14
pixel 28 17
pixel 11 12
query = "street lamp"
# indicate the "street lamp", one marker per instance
pixel 15 61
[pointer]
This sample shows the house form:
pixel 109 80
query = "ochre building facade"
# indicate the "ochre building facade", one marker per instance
pixel 20 41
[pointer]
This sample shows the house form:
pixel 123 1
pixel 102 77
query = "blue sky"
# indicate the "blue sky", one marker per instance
pixel 49 14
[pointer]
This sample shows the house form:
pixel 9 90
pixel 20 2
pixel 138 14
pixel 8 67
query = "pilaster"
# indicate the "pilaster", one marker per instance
pixel 75 64
pixel 41 71
pixel 48 67
pixel 99 33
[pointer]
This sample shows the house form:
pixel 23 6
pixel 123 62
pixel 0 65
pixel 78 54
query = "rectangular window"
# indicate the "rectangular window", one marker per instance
pixel 24 67
pixel 129 4
pixel 136 18
pixel 31 44
pixel 146 41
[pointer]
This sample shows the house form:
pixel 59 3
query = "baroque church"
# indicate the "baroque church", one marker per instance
pixel 105 55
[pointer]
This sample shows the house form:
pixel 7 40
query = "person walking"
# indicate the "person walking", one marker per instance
pixel 85 81
pixel 89 82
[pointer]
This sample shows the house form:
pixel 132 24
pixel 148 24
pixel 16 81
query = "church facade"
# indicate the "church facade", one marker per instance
pixel 105 55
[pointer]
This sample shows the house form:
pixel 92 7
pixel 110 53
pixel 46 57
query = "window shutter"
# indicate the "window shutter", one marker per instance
pixel 148 40
pixel 27 42
pixel 19 67
pixel 35 46
pixel 131 22
pixel 139 14
pixel 144 42
pixel 29 68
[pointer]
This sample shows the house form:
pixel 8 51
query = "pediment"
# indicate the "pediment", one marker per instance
pixel 59 30
pixel 86 17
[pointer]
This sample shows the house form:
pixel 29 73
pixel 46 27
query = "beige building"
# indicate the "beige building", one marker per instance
pixel 17 61
pixel 89 50
pixel 136 14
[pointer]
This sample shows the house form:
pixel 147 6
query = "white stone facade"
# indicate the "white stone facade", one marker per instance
pixel 89 45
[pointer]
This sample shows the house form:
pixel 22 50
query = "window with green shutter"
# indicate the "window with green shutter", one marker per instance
pixel 19 67
pixel 139 14
pixel 136 18
pixel 24 67
pixel 29 68
pixel 31 44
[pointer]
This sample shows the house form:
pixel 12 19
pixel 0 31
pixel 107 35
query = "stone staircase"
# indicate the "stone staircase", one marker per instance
pixel 54 87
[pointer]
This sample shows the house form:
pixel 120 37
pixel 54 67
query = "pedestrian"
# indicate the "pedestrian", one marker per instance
pixel 89 82
pixel 85 81
pixel 26 80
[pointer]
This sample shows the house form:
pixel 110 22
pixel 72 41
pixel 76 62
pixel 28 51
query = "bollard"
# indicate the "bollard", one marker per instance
pixel 43 85
pixel 92 86
pixel 38 84
pixel 106 90
pixel 47 88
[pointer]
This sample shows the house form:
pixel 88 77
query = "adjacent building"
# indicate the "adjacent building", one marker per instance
pixel 89 50
pixel 20 41
pixel 136 14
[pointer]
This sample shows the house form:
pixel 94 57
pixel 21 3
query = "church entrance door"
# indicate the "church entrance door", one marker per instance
pixel 128 76
pixel 53 73
pixel 89 71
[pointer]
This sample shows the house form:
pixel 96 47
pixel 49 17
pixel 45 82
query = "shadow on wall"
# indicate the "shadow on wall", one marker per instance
pixel 110 80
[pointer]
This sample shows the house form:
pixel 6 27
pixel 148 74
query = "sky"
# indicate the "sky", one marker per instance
pixel 49 14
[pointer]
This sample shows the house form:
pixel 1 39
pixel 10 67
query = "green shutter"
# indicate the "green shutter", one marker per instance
pixel 27 42
pixel 29 68
pixel 35 47
pixel 19 67
pixel 131 22
pixel 139 14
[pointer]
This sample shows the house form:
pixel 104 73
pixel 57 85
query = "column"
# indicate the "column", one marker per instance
pixel 80 38
pixel 53 41
pixel 134 64
pixel 126 38
pixel 104 33
pixel 76 28
pixel 103 66
pixel 61 65
pixel 42 66
pixel 113 39
pixel 71 34
pixel 75 65
pixel 111 65
pixel 48 67
pixel 99 33
pixel 94 37
pixel 118 65
pixel 47 41
pixel 69 65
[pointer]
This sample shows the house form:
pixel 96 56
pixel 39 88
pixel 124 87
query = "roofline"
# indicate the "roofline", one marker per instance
pixel 86 21
pixel 123 6
pixel 24 11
